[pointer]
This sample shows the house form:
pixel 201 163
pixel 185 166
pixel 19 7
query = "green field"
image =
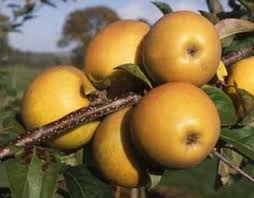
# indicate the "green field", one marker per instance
pixel 17 76
pixel 14 80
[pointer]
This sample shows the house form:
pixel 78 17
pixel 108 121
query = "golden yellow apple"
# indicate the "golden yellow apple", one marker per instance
pixel 176 125
pixel 242 73
pixel 114 154
pixel 54 93
pixel 182 46
pixel 119 43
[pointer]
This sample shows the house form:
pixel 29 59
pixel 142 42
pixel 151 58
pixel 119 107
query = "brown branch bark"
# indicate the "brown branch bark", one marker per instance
pixel 117 191
pixel 74 119
pixel 134 193
pixel 233 57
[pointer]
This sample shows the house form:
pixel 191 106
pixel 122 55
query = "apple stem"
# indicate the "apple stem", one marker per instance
pixel 117 191
pixel 134 193
pixel 71 120
pixel 233 57
pixel 232 165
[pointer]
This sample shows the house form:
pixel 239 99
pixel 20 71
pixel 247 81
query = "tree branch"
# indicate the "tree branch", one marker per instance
pixel 232 165
pixel 72 120
pixel 99 109
pixel 233 57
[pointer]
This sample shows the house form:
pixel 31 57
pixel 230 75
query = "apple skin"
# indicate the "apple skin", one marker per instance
pixel 176 125
pixel 182 46
pixel 242 73
pixel 54 93
pixel 114 154
pixel 118 43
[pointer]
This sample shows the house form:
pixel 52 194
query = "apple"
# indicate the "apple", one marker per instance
pixel 54 93
pixel 117 44
pixel 182 46
pixel 176 125
pixel 114 154
pixel 242 74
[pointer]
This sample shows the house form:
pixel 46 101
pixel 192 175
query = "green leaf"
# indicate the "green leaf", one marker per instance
pixel 155 180
pixel 247 4
pixel 11 124
pixel 34 177
pixel 240 187
pixel 226 42
pixel 3 176
pixel 223 103
pixel 73 159
pixel 81 183
pixel 247 99
pixel 198 180
pixel 241 138
pixel 248 120
pixel 49 182
pixel 32 181
pixel 211 17
pixel 6 137
pixel 17 174
pixel 243 42
pixel 214 6
pixel 224 171
pixel 245 107
pixel 229 27
pixel 135 71
pixel 11 92
pixel 163 7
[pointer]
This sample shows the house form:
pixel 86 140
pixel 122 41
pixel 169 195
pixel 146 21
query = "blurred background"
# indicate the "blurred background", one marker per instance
pixel 37 34
pixel 58 32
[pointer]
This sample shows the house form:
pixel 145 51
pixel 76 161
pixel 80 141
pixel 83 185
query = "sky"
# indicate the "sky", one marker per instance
pixel 42 33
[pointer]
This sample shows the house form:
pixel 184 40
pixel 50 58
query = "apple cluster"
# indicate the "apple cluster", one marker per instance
pixel 175 125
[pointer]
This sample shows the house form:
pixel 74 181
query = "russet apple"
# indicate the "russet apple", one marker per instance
pixel 117 44
pixel 182 46
pixel 176 125
pixel 54 93
pixel 242 73
pixel 114 154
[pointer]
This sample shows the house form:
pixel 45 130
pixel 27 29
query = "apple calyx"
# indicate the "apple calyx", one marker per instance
pixel 192 138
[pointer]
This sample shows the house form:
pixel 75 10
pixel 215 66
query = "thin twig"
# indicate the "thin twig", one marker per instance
pixel 117 191
pixel 232 165
pixel 72 120
pixel 233 57
pixel 134 193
